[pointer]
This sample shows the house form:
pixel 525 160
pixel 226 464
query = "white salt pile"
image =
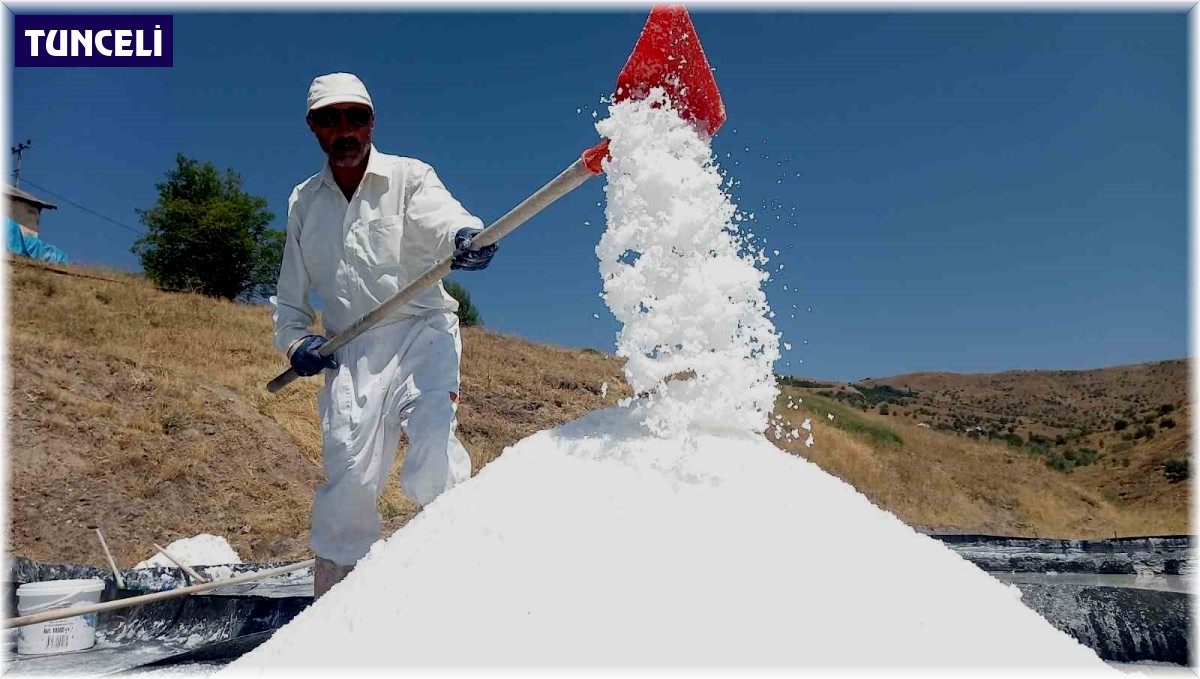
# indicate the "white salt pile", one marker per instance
pixel 668 533
pixel 601 544
pixel 201 550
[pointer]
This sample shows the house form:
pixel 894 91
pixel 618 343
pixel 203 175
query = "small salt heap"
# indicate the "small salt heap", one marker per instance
pixel 200 550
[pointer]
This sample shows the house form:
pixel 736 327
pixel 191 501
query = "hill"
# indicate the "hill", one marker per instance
pixel 1047 402
pixel 1111 432
pixel 145 411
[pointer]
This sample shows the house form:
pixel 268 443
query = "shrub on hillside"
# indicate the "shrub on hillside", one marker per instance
pixel 1038 449
pixel 468 313
pixel 1058 462
pixel 1167 423
pixel 1176 470
pixel 1081 457
pixel 1120 425
pixel 879 393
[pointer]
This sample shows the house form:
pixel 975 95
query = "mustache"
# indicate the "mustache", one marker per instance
pixel 342 144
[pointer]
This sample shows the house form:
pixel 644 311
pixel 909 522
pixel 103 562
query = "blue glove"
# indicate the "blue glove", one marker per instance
pixel 471 260
pixel 305 359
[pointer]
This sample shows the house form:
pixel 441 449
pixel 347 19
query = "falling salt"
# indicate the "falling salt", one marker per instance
pixel 696 329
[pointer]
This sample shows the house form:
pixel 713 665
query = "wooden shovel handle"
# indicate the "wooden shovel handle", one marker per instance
pixel 566 181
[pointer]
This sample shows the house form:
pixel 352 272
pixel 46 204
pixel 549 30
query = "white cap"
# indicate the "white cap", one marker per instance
pixel 337 88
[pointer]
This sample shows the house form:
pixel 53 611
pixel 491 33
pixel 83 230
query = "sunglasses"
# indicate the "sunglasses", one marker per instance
pixel 330 117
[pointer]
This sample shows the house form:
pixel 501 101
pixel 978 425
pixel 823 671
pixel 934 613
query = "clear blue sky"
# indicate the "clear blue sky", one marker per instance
pixel 973 192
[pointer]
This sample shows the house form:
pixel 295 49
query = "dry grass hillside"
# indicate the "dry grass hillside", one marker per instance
pixel 946 481
pixel 1047 402
pixel 145 412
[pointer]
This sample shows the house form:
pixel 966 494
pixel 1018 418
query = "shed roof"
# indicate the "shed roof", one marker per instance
pixel 27 197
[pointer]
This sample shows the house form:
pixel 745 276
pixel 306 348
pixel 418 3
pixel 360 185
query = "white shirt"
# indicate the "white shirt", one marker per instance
pixel 356 254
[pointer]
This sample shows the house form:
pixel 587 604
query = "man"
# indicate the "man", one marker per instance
pixel 357 232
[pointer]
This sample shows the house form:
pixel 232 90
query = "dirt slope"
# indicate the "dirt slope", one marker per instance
pixel 144 411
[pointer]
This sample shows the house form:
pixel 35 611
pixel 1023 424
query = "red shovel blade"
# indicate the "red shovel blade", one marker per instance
pixel 668 55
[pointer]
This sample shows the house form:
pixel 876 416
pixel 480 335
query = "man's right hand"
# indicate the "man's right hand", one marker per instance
pixel 305 359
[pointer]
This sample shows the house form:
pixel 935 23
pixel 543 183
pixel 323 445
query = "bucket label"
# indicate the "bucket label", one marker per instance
pixel 93 40
pixel 59 635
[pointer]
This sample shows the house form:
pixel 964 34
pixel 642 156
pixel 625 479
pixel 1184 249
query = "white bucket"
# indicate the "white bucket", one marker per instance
pixel 65 634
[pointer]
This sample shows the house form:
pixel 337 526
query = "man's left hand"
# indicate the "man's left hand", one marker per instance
pixel 471 260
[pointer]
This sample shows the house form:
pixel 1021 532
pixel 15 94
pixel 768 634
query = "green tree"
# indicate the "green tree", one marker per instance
pixel 207 235
pixel 468 313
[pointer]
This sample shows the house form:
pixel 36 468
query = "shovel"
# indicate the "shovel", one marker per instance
pixel 667 55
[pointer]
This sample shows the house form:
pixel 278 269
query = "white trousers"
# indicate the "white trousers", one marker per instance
pixel 402 374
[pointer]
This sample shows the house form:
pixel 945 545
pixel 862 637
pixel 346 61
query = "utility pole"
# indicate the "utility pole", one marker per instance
pixel 17 151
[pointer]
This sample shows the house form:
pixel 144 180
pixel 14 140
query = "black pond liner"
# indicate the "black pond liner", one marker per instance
pixel 220 624
pixel 1122 624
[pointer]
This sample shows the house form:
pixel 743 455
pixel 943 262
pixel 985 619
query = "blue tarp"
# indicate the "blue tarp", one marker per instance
pixel 32 246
